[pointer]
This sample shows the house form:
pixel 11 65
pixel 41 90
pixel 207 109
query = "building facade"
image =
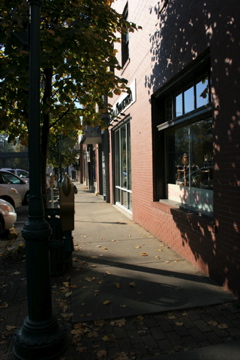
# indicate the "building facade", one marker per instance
pixel 173 145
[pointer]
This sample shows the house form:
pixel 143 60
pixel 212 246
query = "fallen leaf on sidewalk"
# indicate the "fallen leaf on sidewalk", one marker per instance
pixel 213 323
pixel 100 354
pixel 90 279
pixel 3 305
pixel 179 323
pixel 122 356
pixel 110 337
pixel 171 317
pixel 144 254
pixel 138 247
pixel 16 273
pixel 117 285
pixel 132 284
pixel 99 322
pixel 9 328
pixel 105 248
pixel 223 326
pixel 77 331
pixel 106 302
pixel 118 323
pixel 92 334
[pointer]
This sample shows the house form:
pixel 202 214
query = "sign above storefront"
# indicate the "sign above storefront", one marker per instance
pixel 125 101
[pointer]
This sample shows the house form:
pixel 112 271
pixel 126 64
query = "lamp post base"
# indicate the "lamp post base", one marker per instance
pixel 40 340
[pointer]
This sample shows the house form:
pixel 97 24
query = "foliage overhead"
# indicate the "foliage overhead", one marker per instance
pixel 77 64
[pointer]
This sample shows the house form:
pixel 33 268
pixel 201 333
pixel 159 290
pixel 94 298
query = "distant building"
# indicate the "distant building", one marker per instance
pixel 171 156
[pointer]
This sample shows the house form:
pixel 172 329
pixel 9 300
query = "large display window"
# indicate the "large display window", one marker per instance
pixel 185 127
pixel 189 165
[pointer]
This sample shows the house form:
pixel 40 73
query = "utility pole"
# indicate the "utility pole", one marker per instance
pixel 40 337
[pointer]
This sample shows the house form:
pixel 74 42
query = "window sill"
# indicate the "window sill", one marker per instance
pixel 178 211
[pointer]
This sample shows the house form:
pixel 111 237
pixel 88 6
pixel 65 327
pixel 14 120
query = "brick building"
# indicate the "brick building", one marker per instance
pixel 171 157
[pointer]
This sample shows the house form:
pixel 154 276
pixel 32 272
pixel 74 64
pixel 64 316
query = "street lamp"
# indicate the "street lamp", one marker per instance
pixel 40 337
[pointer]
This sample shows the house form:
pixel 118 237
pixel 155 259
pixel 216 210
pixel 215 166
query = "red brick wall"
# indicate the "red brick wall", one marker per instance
pixel 165 46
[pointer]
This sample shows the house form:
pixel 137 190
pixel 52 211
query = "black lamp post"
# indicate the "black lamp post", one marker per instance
pixel 40 336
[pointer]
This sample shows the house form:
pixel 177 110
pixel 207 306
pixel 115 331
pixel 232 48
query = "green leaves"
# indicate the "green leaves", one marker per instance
pixel 77 53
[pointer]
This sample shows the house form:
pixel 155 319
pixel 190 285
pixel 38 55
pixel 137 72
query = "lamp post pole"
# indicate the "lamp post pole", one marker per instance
pixel 40 337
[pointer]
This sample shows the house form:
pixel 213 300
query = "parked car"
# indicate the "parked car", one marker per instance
pixel 8 216
pixel 23 174
pixel 16 182
pixel 11 195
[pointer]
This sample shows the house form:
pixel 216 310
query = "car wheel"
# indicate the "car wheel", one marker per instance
pixel 26 198
pixel 8 199
pixel 2 225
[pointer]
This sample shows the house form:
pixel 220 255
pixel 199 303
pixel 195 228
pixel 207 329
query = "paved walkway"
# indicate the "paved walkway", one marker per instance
pixel 134 298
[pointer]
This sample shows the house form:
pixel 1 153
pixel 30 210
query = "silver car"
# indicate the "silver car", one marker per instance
pixel 17 183
pixel 8 216
pixel 11 195
pixel 23 174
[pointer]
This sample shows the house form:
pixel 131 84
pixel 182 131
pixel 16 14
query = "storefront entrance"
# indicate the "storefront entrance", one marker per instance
pixel 122 166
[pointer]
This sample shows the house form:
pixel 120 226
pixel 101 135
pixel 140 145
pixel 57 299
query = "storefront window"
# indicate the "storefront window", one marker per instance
pixel 189 170
pixel 186 133
pixel 123 173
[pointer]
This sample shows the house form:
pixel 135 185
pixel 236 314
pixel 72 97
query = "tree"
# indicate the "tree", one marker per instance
pixel 77 65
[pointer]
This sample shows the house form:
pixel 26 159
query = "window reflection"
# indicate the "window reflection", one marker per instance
pixel 123 173
pixel 179 105
pixel 189 100
pixel 190 155
pixel 202 92
pixel 195 96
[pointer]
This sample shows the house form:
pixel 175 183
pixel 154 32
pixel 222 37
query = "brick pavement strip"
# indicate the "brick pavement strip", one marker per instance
pixel 130 338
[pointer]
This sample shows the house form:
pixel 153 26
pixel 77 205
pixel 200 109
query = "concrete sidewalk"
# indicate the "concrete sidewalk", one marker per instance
pixel 123 271
pixel 132 297
pixel 128 268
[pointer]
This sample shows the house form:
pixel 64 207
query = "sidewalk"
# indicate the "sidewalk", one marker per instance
pixel 131 297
